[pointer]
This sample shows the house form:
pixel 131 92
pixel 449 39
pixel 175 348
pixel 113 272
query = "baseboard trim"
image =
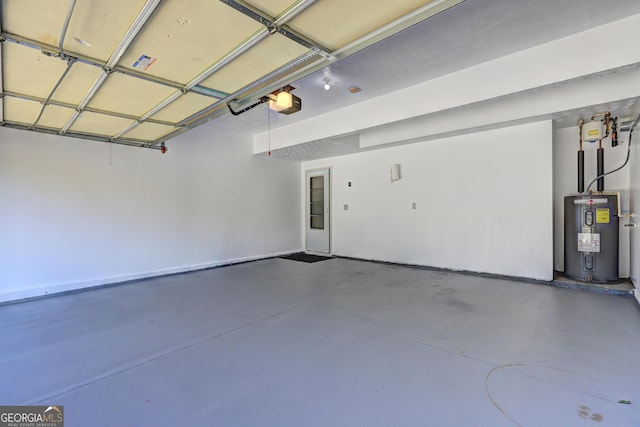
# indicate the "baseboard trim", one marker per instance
pixel 14 297
pixel 30 294
pixel 555 283
pixel 451 270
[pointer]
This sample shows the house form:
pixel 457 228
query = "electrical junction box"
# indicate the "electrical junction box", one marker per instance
pixel 593 131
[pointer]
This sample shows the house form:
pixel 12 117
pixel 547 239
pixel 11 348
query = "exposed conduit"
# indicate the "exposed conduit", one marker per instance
pixel 245 109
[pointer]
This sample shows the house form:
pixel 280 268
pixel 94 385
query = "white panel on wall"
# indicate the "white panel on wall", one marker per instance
pixel 69 219
pixel 483 202
pixel 565 170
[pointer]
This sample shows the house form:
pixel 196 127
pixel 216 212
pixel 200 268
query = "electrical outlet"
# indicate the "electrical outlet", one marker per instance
pixel 345 207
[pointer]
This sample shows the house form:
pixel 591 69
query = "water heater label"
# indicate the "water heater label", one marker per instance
pixel 602 216
pixel 589 242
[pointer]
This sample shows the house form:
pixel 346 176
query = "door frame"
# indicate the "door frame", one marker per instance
pixel 328 212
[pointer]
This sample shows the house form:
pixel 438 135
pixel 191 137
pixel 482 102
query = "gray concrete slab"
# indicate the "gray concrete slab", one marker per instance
pixel 624 287
pixel 334 343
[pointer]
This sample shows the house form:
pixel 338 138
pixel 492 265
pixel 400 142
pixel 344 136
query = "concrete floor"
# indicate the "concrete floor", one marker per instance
pixel 624 287
pixel 335 343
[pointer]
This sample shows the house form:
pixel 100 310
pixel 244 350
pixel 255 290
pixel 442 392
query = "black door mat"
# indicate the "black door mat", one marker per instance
pixel 301 256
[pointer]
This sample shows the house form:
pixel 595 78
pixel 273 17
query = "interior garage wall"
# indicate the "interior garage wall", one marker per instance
pixel 69 219
pixel 635 208
pixel 483 202
pixel 565 158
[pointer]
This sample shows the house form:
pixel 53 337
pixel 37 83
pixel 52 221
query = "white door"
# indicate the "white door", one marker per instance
pixel 317 212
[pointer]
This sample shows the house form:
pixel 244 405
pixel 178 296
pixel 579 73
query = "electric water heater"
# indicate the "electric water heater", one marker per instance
pixel 591 237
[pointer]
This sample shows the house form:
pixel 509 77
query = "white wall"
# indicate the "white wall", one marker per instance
pixel 484 202
pixel 635 208
pixel 565 170
pixel 70 220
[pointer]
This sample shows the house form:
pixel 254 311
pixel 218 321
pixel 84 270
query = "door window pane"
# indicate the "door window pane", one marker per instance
pixel 317 208
pixel 316 203
pixel 317 222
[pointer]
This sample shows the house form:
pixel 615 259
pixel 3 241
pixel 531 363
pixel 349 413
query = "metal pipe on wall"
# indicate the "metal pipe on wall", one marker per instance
pixel 600 167
pixel 627 126
pixel 580 171
pixel 580 160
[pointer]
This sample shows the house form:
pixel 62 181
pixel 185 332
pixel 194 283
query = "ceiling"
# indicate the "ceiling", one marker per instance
pixel 140 72
pixel 472 32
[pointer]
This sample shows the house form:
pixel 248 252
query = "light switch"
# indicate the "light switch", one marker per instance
pixel 345 207
pixel 414 205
